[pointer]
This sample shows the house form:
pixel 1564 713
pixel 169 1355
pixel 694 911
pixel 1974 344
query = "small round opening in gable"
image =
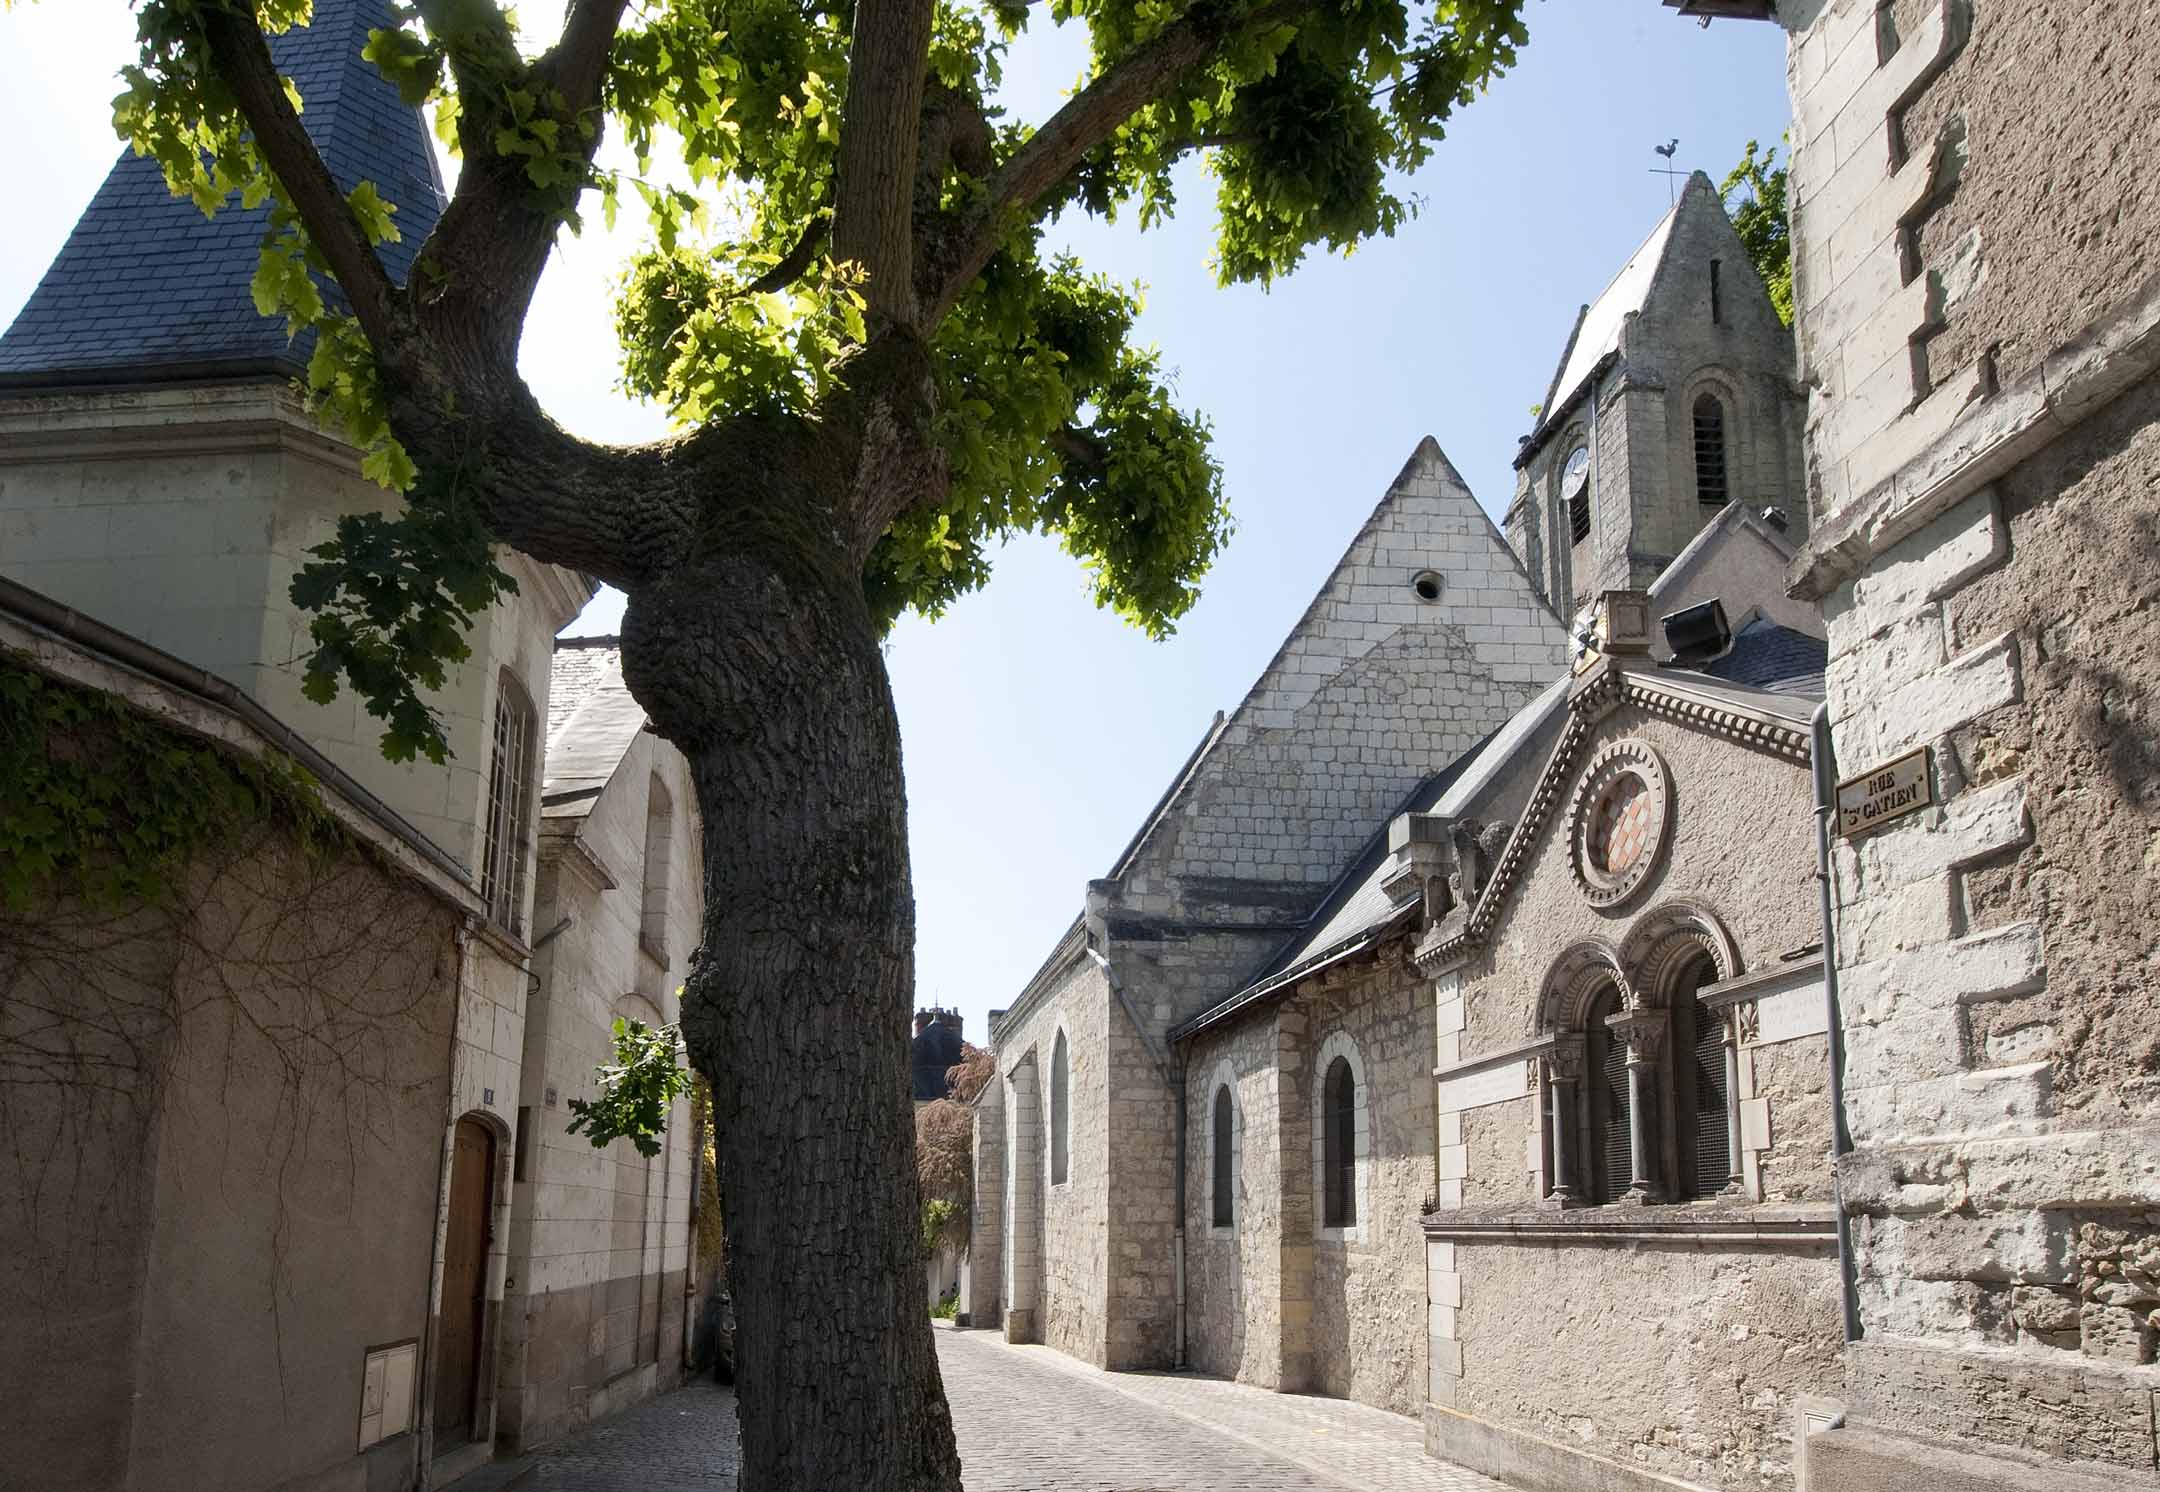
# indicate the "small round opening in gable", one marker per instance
pixel 1428 584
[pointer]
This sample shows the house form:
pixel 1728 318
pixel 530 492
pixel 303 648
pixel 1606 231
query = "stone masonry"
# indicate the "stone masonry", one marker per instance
pixel 1980 332
pixel 1425 637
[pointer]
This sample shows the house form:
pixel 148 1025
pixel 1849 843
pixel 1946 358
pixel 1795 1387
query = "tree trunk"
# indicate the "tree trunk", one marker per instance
pixel 759 658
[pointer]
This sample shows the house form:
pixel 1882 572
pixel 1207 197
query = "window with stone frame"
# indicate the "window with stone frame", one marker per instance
pixel 1224 1213
pixel 1711 487
pixel 511 780
pixel 1060 1112
pixel 1339 1146
pixel 659 855
pixel 1704 1064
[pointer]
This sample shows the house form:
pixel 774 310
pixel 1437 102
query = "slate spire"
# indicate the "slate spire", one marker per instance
pixel 148 289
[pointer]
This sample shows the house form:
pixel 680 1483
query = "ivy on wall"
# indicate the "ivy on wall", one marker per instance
pixel 110 805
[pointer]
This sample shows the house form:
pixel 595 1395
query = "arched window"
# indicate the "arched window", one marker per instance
pixel 1338 1146
pixel 1575 488
pixel 1611 1160
pixel 1060 1113
pixel 509 806
pixel 1224 1164
pixel 1705 1085
pixel 659 850
pixel 1710 485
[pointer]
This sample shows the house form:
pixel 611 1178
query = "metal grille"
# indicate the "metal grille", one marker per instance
pixel 1222 1158
pixel 1339 1103
pixel 1713 1164
pixel 509 808
pixel 1710 488
pixel 1609 1119
pixel 1578 514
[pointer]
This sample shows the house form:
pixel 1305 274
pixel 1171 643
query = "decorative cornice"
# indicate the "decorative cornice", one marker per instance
pixel 1788 740
pixel 1753 1226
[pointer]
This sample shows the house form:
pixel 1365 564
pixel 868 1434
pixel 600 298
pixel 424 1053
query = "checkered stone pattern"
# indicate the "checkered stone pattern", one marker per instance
pixel 1621 831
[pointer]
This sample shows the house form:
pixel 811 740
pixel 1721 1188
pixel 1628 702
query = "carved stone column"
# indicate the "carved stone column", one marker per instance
pixel 1563 1067
pixel 1736 1180
pixel 1644 1032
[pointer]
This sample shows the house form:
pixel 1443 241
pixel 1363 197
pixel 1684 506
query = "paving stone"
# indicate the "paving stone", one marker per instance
pixel 1030 1419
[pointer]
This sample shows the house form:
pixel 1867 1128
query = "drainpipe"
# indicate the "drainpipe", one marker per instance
pixel 1174 1082
pixel 1840 1136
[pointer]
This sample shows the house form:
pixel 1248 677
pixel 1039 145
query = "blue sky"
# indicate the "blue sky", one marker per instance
pixel 1038 730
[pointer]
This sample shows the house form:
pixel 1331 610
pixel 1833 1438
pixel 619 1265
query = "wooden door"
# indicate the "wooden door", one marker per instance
pixel 464 1297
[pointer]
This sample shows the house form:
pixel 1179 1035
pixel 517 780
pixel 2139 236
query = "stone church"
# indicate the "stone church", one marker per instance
pixel 1453 1025
pixel 334 1192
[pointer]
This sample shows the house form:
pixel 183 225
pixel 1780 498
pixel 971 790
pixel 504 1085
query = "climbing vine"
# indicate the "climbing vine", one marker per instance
pixel 108 805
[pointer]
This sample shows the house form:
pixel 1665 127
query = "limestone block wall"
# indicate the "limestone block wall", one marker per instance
pixel 1060 1231
pixel 1679 1360
pixel 1140 1137
pixel 1373 689
pixel 983 1274
pixel 1368 1282
pixel 1980 329
pixel 600 1240
pixel 1672 1339
pixel 1234 1287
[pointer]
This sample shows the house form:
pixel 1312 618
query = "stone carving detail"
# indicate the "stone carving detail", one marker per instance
pixel 1642 1030
pixel 1747 1020
pixel 1620 822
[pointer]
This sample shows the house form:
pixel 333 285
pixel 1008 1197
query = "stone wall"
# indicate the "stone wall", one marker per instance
pixel 1678 1360
pixel 1277 1299
pixel 1368 1342
pixel 223 1166
pixel 1980 330
pixel 599 1240
pixel 1059 1231
pixel 106 497
pixel 1233 1275
pixel 1670 1339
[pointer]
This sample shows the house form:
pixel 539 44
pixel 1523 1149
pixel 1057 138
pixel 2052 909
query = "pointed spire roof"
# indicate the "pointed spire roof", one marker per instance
pixel 1598 327
pixel 147 288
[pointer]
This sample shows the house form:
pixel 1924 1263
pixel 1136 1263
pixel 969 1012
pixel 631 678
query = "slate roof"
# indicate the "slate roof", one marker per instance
pixel 1769 671
pixel 148 288
pixel 592 721
pixel 1765 655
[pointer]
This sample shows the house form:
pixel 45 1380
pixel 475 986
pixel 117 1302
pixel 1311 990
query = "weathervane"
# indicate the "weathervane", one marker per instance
pixel 1671 173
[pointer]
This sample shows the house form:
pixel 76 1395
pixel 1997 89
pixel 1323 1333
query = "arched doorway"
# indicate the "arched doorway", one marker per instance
pixel 464 1293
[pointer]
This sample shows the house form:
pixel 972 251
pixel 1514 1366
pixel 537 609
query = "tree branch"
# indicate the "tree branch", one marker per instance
pixel 242 58
pixel 795 260
pixel 880 136
pixel 1092 116
pixel 578 62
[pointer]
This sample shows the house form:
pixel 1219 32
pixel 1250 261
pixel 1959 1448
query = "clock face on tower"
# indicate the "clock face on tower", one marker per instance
pixel 1576 472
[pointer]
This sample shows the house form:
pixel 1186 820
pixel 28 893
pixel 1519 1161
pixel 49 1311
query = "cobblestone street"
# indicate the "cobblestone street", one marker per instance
pixel 1032 1420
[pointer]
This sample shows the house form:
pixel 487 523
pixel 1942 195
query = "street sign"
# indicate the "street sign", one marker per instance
pixel 1889 792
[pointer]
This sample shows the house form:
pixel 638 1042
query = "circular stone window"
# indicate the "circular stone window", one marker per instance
pixel 1428 584
pixel 1619 821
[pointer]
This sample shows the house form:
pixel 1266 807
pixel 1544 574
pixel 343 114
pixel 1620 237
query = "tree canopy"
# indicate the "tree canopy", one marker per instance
pixel 1761 220
pixel 1049 418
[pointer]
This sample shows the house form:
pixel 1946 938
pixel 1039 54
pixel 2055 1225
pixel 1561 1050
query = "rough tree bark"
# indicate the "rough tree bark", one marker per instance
pixel 749 643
